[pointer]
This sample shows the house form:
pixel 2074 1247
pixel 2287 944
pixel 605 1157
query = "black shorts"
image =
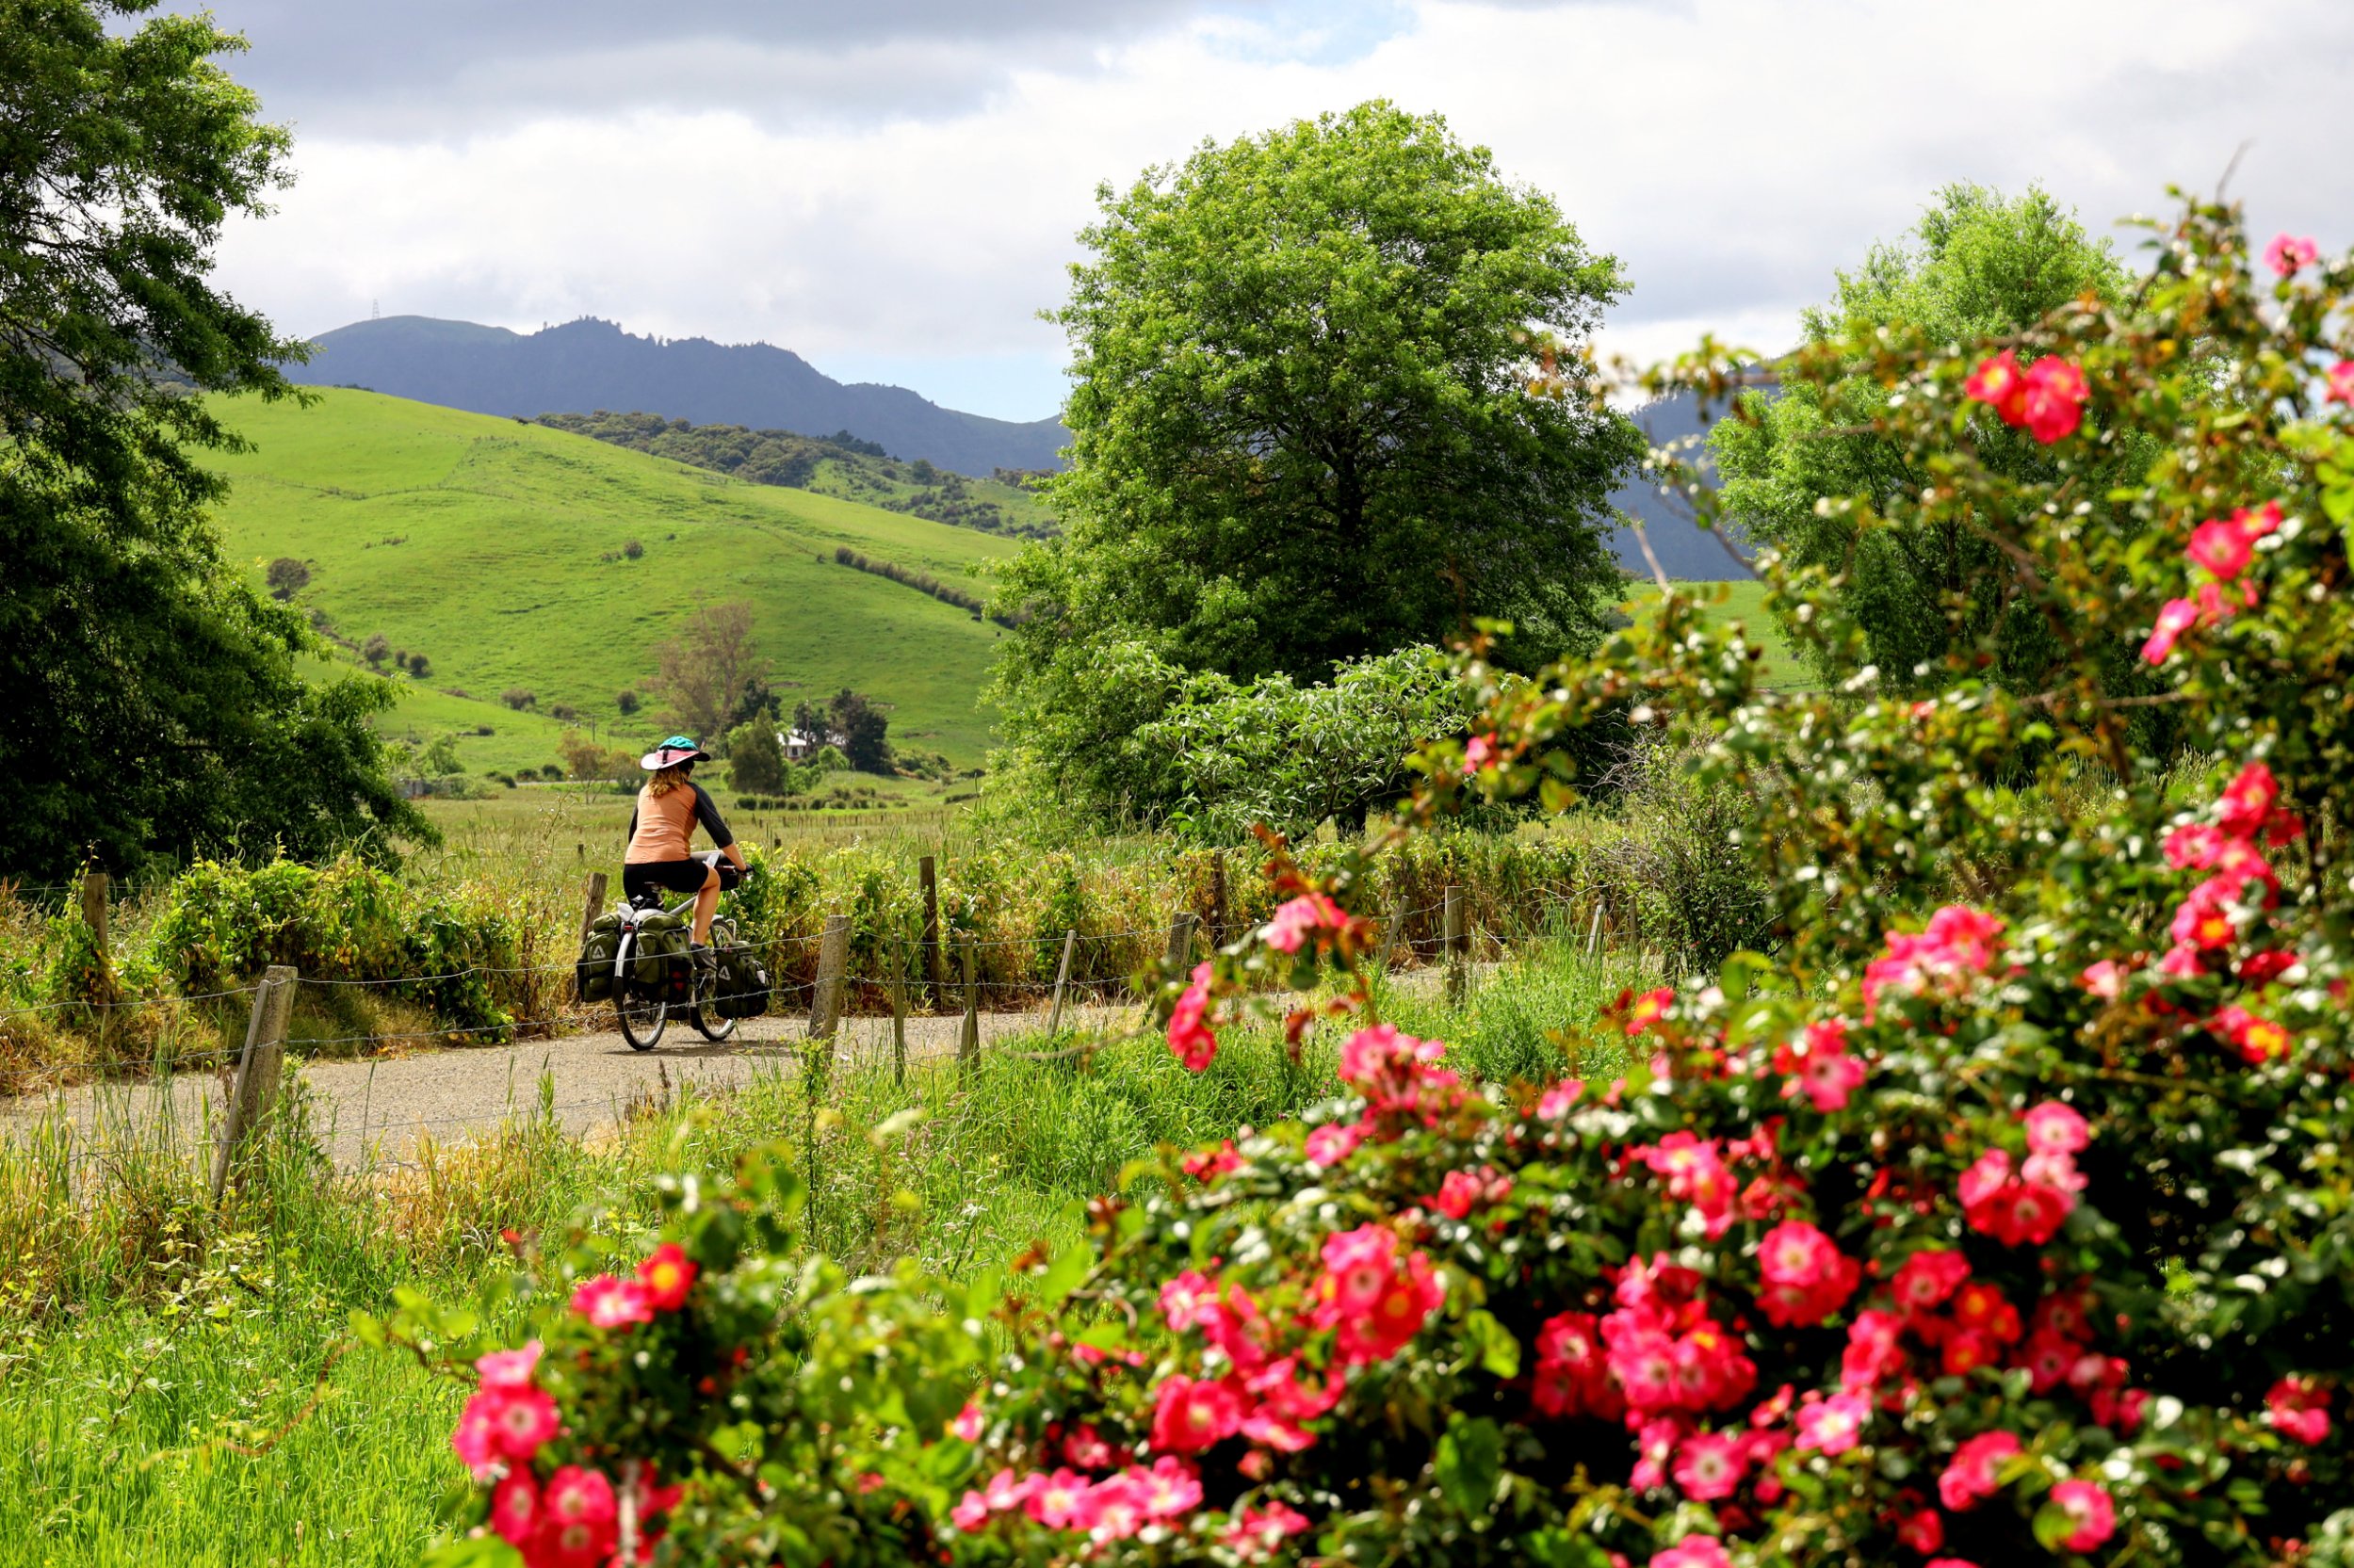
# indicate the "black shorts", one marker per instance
pixel 674 876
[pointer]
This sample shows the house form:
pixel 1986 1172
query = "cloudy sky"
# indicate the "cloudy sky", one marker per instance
pixel 892 187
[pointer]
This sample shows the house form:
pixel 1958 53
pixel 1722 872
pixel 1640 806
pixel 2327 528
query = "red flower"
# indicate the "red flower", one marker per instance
pixel 2288 255
pixel 2222 548
pixel 2298 1407
pixel 1190 1038
pixel 1649 1009
pixel 578 1510
pixel 1972 1476
pixel 1999 384
pixel 1923 1530
pixel 2245 806
pixel 2341 381
pixel 1207 1165
pixel 1835 1425
pixel 2259 1040
pixel 1693 1551
pixel 2091 1517
pixel 1191 1415
pixel 1297 921
pixel 1710 1464
pixel 1807 1277
pixel 1928 1277
pixel 1818 1065
pixel 1572 1372
pixel 2175 617
pixel 515 1508
pixel 2054 406
pixel 668 1275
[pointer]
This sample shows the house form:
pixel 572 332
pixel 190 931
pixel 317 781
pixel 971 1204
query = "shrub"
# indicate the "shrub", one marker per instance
pixel 1978 1229
pixel 288 577
pixel 517 698
pixel 632 549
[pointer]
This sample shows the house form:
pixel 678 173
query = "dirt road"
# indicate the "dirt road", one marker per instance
pixel 371 1111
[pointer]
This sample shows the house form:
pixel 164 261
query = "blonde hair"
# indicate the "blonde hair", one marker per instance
pixel 665 779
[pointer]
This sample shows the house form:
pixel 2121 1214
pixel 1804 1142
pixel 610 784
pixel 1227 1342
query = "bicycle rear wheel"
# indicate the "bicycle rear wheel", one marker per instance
pixel 709 1023
pixel 643 1019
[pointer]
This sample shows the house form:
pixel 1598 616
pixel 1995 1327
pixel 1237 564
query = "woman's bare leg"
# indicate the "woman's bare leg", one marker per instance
pixel 706 905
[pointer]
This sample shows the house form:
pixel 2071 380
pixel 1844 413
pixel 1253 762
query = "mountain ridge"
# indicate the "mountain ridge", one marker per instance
pixel 590 365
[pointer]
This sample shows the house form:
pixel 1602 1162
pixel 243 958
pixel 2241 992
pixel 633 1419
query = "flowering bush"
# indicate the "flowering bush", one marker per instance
pixel 2003 1213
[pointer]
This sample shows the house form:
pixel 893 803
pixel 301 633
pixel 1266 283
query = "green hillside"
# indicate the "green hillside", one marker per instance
pixel 497 548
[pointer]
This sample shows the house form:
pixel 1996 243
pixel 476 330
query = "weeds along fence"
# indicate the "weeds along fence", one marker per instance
pixel 455 955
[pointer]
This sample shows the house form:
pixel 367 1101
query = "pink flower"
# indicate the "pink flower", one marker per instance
pixel 2091 1517
pixel 515 1508
pixel 1959 941
pixel 1295 921
pixel 968 1426
pixel 1649 1009
pixel 2055 403
pixel 1693 1551
pixel 2341 381
pixel 1807 1277
pixel 668 1275
pixel 2288 255
pixel 1190 1038
pixel 2221 548
pixel 2255 522
pixel 613 1303
pixel 1007 1491
pixel 1057 1501
pixel 1823 1070
pixel 2298 1407
pixel 1874 1353
pixel 1999 384
pixel 1113 1509
pixel 1478 753
pixel 2175 617
pixel 2053 1128
pixel 1555 1103
pixel 1462 1192
pixel 2104 979
pixel 971 1512
pixel 580 1509
pixel 1333 1142
pixel 474 1438
pixel 1928 1277
pixel 1971 1478
pixel 2247 803
pixel 2259 1040
pixel 1085 1448
pixel 1834 1424
pixel 509 1368
pixel 1949 1563
pixel 1192 1414
pixel 1710 1464
pixel 1258 1531
pixel 1170 1488
pixel 1394 1072
pixel 1188 1302
pixel 1572 1372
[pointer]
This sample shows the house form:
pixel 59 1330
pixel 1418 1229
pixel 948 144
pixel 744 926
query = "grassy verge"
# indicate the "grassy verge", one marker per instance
pixel 155 1357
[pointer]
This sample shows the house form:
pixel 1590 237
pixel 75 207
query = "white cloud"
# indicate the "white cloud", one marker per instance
pixel 1731 152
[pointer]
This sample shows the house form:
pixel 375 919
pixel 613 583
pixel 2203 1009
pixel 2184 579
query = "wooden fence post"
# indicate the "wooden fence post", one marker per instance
pixel 1218 898
pixel 95 888
pixel 899 1010
pixel 927 873
pixel 825 1006
pixel 968 1038
pixel 255 1088
pixel 1593 940
pixel 1391 926
pixel 1062 980
pixel 593 906
pixel 1181 938
pixel 1453 942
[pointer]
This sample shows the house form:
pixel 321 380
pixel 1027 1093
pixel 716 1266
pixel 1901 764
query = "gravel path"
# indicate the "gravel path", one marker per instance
pixel 371 1111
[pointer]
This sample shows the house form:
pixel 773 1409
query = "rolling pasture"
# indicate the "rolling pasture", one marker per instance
pixel 499 549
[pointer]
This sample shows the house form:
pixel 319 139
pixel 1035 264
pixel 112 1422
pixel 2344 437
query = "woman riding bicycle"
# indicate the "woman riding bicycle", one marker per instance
pixel 663 827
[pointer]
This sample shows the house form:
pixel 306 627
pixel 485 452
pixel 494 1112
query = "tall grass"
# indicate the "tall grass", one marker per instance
pixel 156 1355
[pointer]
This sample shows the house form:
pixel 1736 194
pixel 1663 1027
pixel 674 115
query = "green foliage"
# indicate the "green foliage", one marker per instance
pixel 756 761
pixel 1300 431
pixel 156 690
pixel 1982 266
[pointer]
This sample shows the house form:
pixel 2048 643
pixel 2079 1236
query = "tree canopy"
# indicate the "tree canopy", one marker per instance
pixel 1979 265
pixel 155 705
pixel 1301 426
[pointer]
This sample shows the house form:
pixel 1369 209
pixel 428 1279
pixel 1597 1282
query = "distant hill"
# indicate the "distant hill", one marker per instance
pixel 831 465
pixel 1685 552
pixel 587 365
pixel 519 557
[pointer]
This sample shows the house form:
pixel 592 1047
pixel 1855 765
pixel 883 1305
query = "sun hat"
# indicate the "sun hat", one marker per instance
pixel 677 749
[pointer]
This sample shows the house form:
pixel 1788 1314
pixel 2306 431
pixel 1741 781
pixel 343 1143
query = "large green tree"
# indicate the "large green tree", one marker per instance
pixel 1301 426
pixel 154 704
pixel 1979 265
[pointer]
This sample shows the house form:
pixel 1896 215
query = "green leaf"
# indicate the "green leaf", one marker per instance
pixel 1500 1353
pixel 1063 1275
pixel 487 1551
pixel 1468 1462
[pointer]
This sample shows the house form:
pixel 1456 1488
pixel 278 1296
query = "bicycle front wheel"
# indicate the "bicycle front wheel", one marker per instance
pixel 643 1019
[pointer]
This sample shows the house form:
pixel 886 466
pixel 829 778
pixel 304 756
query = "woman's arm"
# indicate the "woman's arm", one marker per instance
pixel 709 814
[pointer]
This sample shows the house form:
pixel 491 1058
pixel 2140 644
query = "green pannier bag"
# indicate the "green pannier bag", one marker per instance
pixel 662 967
pixel 593 974
pixel 742 991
